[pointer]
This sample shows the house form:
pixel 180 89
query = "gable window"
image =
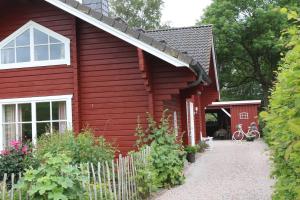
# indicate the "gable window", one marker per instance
pixel 27 119
pixel 34 45
pixel 243 115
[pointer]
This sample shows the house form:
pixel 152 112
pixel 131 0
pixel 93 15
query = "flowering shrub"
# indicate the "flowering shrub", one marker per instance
pixel 15 159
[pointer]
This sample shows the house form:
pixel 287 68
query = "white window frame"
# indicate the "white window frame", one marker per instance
pixel 244 115
pixel 33 25
pixel 33 101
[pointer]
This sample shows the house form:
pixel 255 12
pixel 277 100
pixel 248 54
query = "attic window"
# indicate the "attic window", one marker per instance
pixel 244 115
pixel 34 45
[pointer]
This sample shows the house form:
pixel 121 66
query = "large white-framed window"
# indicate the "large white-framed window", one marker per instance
pixel 26 119
pixel 34 45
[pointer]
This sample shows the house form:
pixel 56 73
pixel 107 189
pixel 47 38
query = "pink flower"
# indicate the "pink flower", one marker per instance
pixel 15 144
pixel 24 149
pixel 4 152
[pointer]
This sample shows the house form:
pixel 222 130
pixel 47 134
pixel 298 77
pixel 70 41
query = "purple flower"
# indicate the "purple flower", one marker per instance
pixel 15 144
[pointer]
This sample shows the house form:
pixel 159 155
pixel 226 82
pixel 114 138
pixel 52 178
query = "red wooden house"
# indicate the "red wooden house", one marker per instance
pixel 65 66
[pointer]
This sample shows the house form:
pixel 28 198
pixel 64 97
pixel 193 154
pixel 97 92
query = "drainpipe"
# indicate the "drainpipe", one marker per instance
pixel 201 75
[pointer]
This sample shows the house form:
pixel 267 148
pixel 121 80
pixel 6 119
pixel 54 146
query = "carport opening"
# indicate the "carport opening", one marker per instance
pixel 218 123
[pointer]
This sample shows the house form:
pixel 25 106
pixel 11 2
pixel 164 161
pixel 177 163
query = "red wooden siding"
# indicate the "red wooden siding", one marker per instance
pixel 37 81
pixel 235 111
pixel 112 82
pixel 112 91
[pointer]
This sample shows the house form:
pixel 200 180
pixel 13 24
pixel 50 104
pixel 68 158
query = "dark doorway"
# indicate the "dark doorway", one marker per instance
pixel 218 124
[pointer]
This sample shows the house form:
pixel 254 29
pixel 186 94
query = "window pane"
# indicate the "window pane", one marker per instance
pixel 43 111
pixel 41 53
pixel 24 112
pixel 23 39
pixel 60 127
pixel 42 128
pixel 10 45
pixel 40 37
pixel 7 56
pixel 9 131
pixel 53 40
pixel 25 132
pixel 23 54
pixel 59 111
pixel 57 51
pixel 9 113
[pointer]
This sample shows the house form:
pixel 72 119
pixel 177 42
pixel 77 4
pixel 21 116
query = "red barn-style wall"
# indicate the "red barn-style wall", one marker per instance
pixel 236 110
pixel 112 81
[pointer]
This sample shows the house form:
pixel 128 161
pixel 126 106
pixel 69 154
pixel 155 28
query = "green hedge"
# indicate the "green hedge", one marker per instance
pixel 282 119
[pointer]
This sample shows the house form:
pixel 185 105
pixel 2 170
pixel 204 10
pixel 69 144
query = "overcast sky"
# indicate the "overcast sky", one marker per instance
pixel 183 12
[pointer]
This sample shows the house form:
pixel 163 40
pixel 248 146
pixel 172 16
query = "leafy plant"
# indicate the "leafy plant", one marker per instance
pixel 83 148
pixel 167 154
pixel 54 179
pixel 202 146
pixel 282 119
pixel 146 176
pixel 191 149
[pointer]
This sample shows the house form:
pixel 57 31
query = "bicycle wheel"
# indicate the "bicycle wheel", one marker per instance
pixel 256 133
pixel 237 135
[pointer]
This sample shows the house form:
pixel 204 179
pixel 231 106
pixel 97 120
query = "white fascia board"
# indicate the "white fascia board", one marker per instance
pixel 235 102
pixel 123 36
pixel 215 67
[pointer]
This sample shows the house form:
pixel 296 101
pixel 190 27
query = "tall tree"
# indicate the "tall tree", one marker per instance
pixel 144 14
pixel 247 43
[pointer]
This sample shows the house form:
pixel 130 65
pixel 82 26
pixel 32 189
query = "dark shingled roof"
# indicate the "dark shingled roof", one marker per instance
pixel 145 38
pixel 195 41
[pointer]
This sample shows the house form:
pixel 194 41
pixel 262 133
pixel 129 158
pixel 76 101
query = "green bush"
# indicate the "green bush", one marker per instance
pixel 191 149
pixel 202 146
pixel 56 178
pixel 83 148
pixel 282 120
pixel 146 177
pixel 167 154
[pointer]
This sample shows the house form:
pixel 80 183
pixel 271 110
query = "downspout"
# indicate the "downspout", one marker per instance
pixel 201 75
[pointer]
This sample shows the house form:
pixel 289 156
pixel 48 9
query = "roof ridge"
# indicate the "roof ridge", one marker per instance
pixel 180 28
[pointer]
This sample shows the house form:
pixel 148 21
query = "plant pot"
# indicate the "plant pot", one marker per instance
pixel 250 139
pixel 191 157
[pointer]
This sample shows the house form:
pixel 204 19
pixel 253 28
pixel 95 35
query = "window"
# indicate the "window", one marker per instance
pixel 243 115
pixel 27 119
pixel 34 45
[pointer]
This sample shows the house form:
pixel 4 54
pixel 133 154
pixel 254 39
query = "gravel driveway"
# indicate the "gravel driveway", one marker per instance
pixel 231 170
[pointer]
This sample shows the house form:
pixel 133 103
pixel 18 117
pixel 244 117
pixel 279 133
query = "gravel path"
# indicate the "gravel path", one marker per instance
pixel 231 170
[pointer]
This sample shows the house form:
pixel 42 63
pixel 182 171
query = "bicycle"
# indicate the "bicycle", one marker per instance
pixel 240 134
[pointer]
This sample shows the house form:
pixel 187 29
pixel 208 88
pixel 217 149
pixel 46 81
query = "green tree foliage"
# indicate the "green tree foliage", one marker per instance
pixel 247 44
pixel 144 14
pixel 283 118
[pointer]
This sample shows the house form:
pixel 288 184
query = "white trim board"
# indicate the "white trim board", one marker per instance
pixel 222 103
pixel 123 36
pixel 32 63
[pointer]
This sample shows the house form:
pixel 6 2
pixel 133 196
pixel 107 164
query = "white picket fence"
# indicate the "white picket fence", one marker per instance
pixel 115 180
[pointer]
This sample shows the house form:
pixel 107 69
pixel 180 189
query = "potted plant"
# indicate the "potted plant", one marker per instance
pixel 250 137
pixel 190 153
